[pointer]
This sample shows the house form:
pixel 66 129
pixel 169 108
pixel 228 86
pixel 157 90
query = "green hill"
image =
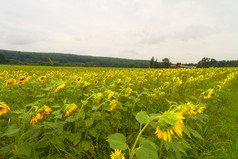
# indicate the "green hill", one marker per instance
pixel 61 59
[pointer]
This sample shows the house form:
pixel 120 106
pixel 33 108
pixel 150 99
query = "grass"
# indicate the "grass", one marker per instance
pixel 221 135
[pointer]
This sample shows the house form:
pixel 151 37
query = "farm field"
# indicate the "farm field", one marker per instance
pixel 73 112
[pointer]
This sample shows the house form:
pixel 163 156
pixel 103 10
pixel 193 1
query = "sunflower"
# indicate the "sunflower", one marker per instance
pixel 119 81
pixel 60 87
pixel 113 104
pixel 70 109
pixel 210 92
pixel 4 108
pixel 198 109
pixel 165 129
pixel 22 80
pixel 10 82
pixel 117 155
pixel 37 117
pixel 187 108
pixel 5 72
pixel 96 82
pixel 79 79
pixel 129 92
pixel 110 94
pixel 42 78
pixel 40 114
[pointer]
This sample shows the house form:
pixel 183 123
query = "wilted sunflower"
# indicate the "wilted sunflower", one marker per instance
pixel 69 109
pixel 4 108
pixel 187 108
pixel 110 94
pixel 117 154
pixel 210 92
pixel 60 87
pixel 113 104
pixel 119 81
pixel 198 109
pixel 129 92
pixel 40 113
pixel 165 129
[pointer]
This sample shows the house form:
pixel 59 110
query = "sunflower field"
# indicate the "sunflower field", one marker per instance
pixel 117 113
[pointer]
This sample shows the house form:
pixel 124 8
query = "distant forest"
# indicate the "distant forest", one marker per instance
pixel 61 59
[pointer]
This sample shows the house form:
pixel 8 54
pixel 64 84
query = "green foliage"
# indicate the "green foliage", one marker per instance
pixel 127 120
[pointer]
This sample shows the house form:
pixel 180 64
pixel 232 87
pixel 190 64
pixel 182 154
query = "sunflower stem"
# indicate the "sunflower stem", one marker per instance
pixel 138 136
pixel 160 149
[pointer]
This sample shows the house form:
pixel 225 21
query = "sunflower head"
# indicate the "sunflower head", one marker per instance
pixel 42 78
pixel 96 82
pixel 60 87
pixel 113 104
pixel 4 108
pixel 79 79
pixel 169 122
pixel 39 114
pixel 111 93
pixel 69 108
pixel 119 81
pixel 10 82
pixel 117 154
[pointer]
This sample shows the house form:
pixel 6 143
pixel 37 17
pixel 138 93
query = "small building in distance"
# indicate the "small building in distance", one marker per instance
pixel 182 66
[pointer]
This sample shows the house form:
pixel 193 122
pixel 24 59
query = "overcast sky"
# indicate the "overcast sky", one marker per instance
pixel 181 30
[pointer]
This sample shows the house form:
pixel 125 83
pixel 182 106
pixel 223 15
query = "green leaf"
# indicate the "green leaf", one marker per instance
pixel 25 149
pixel 147 149
pixel 117 141
pixel 42 144
pixel 142 117
pixel 167 145
pixel 54 125
pixel 75 138
pixel 84 102
pixel 178 147
pixel 186 131
pixel 72 118
pixel 96 106
pixel 86 145
pixel 97 116
pixel 93 132
pixel 89 122
pixel 6 149
pixel 195 134
pixel 33 132
pixel 185 143
pixel 11 131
